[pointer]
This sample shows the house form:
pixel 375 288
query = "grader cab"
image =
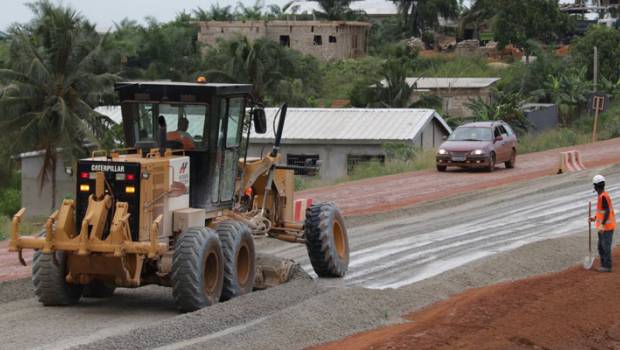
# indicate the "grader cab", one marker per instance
pixel 180 206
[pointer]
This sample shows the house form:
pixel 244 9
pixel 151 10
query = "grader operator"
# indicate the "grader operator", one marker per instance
pixel 177 212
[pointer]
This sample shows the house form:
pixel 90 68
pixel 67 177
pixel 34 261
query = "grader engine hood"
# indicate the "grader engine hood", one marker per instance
pixel 122 181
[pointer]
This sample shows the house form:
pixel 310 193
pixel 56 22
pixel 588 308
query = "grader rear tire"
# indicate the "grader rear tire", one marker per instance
pixel 197 269
pixel 98 289
pixel 239 258
pixel 48 278
pixel 326 240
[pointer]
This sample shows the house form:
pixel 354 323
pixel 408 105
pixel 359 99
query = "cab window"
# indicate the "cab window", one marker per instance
pixel 235 117
pixel 143 122
pixel 195 115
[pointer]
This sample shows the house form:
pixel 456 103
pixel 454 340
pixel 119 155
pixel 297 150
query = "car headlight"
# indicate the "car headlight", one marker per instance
pixel 442 151
pixel 478 152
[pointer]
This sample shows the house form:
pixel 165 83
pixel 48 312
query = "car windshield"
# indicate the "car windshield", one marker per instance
pixel 471 134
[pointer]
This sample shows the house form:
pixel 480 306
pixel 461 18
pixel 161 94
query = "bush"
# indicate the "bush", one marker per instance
pixel 10 201
pixel 552 139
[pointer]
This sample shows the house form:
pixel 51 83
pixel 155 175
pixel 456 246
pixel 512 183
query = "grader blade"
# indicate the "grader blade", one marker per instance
pixel 272 271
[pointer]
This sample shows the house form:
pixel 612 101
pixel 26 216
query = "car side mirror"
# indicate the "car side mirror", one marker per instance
pixel 444 137
pixel 498 138
pixel 260 120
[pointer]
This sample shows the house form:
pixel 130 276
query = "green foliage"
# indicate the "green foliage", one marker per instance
pixel 4 53
pixel 607 40
pixel 10 201
pixel 569 91
pixel 453 67
pixel 556 138
pixel 337 10
pixel 503 106
pixel 57 73
pixel 278 74
pixel 384 33
pixel 250 13
pixel 157 50
pixel 420 15
pixel 215 13
pixel 536 20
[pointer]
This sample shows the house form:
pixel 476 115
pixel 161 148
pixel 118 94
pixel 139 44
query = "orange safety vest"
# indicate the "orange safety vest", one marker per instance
pixel 182 137
pixel 600 214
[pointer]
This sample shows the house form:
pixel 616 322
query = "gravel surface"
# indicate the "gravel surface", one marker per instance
pixel 16 290
pixel 306 312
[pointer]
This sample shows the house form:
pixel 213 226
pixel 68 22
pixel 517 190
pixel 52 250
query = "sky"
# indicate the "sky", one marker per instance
pixel 104 13
pixel 107 12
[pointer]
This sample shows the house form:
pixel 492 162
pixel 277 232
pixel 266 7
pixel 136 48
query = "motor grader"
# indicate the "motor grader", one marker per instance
pixel 182 213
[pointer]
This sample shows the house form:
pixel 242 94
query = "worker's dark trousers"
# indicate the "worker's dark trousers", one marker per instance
pixel 604 247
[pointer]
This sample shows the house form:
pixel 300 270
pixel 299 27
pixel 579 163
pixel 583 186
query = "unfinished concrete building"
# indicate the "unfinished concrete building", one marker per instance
pixel 325 40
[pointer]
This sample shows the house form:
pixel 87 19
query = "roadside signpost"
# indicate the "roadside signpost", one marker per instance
pixel 598 105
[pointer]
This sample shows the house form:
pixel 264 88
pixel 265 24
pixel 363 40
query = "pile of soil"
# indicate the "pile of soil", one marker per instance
pixel 572 309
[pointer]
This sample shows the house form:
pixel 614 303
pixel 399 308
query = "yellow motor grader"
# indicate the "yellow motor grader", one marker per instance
pixel 180 207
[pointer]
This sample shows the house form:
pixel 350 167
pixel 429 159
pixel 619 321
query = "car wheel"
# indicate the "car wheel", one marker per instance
pixel 512 161
pixel 441 168
pixel 491 166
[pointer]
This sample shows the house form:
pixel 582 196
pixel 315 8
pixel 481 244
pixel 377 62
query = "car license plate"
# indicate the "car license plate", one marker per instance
pixel 458 159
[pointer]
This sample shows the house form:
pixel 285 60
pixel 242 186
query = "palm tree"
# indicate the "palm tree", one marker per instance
pixel 215 13
pixel 254 12
pixel 420 15
pixel 242 61
pixel 334 9
pixel 56 76
pixel 277 12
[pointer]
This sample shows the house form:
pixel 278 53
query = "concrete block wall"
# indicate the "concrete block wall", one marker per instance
pixel 37 200
pixel 351 38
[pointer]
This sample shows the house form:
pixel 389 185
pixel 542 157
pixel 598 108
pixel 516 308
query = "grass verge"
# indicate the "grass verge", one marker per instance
pixel 28 226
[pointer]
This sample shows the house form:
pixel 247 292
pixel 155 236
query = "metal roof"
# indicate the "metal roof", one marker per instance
pixel 112 112
pixel 451 83
pixel 346 125
pixel 371 7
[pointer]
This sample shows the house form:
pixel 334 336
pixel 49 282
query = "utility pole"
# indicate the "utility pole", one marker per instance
pixel 595 70
pixel 596 101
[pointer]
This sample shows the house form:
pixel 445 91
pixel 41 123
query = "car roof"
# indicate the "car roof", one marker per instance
pixel 487 124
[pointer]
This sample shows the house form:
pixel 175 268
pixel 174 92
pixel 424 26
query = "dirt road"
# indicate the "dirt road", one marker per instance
pixel 573 309
pixel 387 193
pixel 412 258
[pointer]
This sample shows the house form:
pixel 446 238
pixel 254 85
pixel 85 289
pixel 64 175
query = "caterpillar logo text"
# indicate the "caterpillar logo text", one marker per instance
pixel 107 168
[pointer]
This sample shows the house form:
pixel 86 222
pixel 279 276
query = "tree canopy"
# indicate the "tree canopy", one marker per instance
pixel 420 15
pixel 57 72
pixel 520 22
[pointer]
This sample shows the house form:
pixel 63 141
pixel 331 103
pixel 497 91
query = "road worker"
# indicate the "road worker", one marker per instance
pixel 181 135
pixel 605 222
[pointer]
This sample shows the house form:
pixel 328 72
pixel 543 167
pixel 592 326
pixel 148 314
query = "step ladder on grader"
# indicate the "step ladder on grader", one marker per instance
pixel 179 208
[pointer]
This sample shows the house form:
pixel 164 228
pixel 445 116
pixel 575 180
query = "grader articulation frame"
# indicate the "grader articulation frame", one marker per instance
pixel 163 213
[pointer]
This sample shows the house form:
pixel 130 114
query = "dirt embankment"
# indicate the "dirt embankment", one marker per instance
pixel 572 309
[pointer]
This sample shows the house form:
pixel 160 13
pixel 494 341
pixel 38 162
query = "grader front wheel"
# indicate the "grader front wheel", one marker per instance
pixel 197 269
pixel 48 278
pixel 326 240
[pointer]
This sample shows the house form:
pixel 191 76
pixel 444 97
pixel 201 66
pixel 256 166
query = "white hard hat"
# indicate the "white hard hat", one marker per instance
pixel 598 179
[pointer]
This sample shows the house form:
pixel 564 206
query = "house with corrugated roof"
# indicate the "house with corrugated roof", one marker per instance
pixel 455 93
pixel 336 139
